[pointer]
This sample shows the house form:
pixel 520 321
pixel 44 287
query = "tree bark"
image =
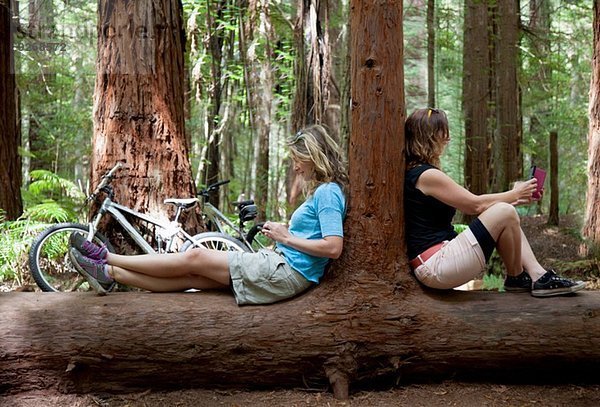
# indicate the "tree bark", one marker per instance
pixel 313 76
pixel 138 104
pixel 10 136
pixel 591 228
pixel 539 40
pixel 82 343
pixel 507 144
pixel 41 28
pixel 259 35
pixel 375 220
pixel 553 212
pixel 476 96
pixel 216 39
pixel 313 68
pixel 431 53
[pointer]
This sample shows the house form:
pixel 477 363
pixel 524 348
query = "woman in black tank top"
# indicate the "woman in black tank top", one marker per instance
pixel 439 257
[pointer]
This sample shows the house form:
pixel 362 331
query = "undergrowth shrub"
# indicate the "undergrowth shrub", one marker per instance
pixel 49 199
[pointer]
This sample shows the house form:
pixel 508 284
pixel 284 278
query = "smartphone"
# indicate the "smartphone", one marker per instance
pixel 539 174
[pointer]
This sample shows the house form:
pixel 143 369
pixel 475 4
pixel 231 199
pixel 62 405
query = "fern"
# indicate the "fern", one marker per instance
pixel 51 212
pixel 46 182
pixel 15 240
pixel 51 198
pixel 48 199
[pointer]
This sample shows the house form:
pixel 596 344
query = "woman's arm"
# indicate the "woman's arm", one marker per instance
pixel 435 183
pixel 329 246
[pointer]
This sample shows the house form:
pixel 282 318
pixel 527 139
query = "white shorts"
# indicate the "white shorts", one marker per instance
pixel 458 261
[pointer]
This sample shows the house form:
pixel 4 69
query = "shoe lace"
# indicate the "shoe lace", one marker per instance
pixel 93 249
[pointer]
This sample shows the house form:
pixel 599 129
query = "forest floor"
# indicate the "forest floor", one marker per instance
pixel 556 247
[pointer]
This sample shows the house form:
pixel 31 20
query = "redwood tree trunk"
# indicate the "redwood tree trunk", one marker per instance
pixel 259 31
pixel 553 217
pixel 41 27
pixel 376 148
pixel 10 137
pixel 591 229
pixel 313 76
pixel 540 35
pixel 216 39
pixel 431 53
pixel 138 103
pixel 507 144
pixel 476 94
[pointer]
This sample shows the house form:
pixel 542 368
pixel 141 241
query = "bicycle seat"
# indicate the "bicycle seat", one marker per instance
pixel 182 203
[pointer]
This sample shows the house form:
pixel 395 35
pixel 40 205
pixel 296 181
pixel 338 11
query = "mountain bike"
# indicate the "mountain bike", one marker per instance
pixel 49 261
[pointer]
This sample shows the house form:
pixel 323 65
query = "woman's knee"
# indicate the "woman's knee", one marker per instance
pixel 195 256
pixel 498 218
pixel 503 212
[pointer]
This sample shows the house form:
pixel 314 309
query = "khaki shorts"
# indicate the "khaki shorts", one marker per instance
pixel 263 277
pixel 460 260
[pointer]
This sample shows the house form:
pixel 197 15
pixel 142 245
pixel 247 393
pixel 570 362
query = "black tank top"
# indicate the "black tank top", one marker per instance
pixel 428 220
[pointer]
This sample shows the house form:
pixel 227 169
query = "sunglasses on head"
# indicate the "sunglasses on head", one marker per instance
pixel 431 110
pixel 297 137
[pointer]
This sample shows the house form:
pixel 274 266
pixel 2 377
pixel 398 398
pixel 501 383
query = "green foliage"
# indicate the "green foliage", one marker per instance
pixel 493 282
pixel 234 117
pixel 51 198
pixel 460 227
pixel 48 199
pixel 15 240
pixel 555 77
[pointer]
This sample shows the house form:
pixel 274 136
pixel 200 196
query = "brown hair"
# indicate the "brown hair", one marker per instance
pixel 314 144
pixel 425 133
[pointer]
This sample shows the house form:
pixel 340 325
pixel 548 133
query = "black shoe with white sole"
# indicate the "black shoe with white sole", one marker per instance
pixel 518 284
pixel 551 284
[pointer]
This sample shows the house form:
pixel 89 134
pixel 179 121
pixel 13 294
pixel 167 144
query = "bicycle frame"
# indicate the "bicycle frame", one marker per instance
pixel 171 228
pixel 222 223
pixel 219 219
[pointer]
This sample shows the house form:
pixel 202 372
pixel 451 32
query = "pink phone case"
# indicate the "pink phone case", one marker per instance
pixel 540 175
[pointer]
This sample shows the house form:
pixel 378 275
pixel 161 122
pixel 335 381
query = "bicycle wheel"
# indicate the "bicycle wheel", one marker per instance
pixel 216 241
pixel 49 262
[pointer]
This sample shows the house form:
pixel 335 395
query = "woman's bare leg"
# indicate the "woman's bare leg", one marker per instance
pixel 530 263
pixel 158 284
pixel 212 264
pixel 502 222
pixel 504 225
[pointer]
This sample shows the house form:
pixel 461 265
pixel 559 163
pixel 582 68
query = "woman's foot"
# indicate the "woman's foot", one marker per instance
pixel 95 271
pixel 518 284
pixel 87 248
pixel 551 284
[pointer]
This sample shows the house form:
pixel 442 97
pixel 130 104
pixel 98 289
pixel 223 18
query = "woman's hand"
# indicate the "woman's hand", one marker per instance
pixel 329 246
pixel 524 191
pixel 276 231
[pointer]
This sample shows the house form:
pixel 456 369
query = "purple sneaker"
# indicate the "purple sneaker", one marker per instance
pixel 95 271
pixel 87 248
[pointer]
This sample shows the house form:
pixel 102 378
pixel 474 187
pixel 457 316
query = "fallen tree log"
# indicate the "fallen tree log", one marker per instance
pixel 368 321
pixel 126 342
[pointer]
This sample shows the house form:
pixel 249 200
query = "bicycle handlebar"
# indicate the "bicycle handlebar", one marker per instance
pixel 106 179
pixel 212 187
pixel 243 203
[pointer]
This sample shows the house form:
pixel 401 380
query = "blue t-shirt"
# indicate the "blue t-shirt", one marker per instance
pixel 321 215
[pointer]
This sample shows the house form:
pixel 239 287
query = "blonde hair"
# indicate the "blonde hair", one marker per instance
pixel 314 144
pixel 425 133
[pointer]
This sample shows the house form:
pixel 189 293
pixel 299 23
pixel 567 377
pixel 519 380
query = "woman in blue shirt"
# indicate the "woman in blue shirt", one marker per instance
pixel 314 235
